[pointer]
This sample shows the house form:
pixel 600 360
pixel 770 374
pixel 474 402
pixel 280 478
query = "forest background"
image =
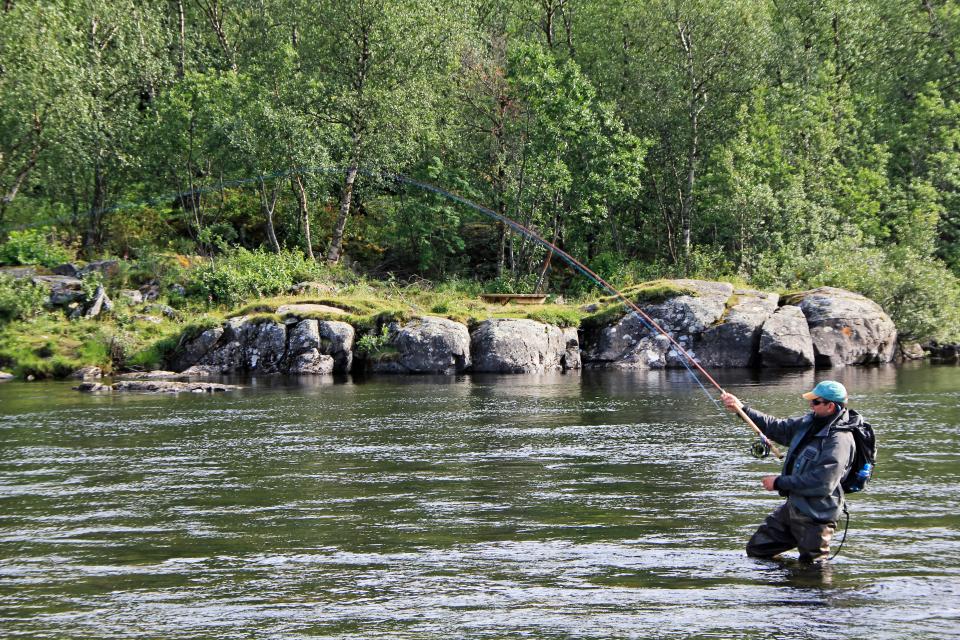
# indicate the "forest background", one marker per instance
pixel 781 144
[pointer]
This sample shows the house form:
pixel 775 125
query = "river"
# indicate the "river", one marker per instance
pixel 594 505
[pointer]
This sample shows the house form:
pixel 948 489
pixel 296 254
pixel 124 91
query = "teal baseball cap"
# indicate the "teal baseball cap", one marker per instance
pixel 829 390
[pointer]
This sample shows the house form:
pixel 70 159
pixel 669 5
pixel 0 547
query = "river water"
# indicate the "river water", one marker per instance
pixel 595 505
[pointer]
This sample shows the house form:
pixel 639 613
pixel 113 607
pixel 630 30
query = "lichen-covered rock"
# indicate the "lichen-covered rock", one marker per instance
pixel 264 346
pixel 336 340
pixel 101 303
pixel 311 362
pixel 131 296
pixel 518 346
pixel 735 340
pixel 631 343
pixel 63 289
pixel 785 339
pixel 308 309
pixel 320 347
pixel 193 351
pixel 911 351
pixel 847 328
pixel 107 268
pixel 427 345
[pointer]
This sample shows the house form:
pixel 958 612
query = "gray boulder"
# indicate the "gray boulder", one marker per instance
pixel 66 269
pixel 63 289
pixel 131 296
pixel 87 373
pixel 4 376
pixel 320 347
pixel 107 268
pixel 427 345
pixel 630 343
pixel 735 340
pixel 18 273
pixel 264 346
pixel 571 355
pixel 336 340
pixel 99 304
pixel 156 386
pixel 519 346
pixel 847 328
pixel 785 339
pixel 193 351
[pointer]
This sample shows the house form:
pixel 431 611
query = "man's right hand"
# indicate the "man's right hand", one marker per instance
pixel 731 401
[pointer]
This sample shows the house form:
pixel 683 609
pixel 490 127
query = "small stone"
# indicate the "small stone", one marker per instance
pixel 132 296
pixel 87 373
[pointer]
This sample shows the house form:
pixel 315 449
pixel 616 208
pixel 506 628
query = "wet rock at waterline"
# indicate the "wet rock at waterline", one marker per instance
pixel 4 376
pixel 785 340
pixel 426 345
pixel 827 327
pixel 735 340
pixel 629 343
pixel 87 373
pixel 265 346
pixel 156 386
pixel 319 347
pixel 847 328
pixel 520 346
pixel 715 324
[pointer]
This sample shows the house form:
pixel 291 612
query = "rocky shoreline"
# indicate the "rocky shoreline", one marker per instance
pixel 717 324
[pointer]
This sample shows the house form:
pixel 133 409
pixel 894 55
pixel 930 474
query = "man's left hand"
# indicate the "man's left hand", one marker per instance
pixel 768 482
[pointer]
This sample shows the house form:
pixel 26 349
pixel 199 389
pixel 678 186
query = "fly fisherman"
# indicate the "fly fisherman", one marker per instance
pixel 820 453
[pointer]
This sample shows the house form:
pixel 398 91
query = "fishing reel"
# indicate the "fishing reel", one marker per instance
pixel 760 448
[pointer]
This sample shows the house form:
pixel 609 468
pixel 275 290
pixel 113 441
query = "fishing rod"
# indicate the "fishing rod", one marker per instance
pixel 760 449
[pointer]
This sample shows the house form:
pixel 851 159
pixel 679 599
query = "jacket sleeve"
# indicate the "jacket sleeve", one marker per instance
pixel 826 472
pixel 778 429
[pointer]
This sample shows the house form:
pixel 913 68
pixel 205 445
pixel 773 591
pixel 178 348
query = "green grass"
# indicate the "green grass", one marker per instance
pixel 49 346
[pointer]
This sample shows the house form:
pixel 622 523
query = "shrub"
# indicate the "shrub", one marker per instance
pixel 20 299
pixel 919 292
pixel 241 274
pixel 34 246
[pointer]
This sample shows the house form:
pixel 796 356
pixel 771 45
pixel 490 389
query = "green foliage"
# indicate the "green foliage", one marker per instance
pixel 46 346
pixel 919 292
pixel 34 246
pixel 372 344
pixel 241 274
pixel 21 299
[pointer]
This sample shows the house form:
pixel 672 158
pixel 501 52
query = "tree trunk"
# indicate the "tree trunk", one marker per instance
pixel 269 206
pixel 182 44
pixel 336 242
pixel 91 238
pixel 296 181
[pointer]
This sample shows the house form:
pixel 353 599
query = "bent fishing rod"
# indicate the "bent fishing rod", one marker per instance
pixel 760 448
pixel 764 443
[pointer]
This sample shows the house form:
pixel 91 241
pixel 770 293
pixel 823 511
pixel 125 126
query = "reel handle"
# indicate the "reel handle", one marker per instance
pixel 746 418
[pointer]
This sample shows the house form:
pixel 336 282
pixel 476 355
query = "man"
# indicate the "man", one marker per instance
pixel 820 453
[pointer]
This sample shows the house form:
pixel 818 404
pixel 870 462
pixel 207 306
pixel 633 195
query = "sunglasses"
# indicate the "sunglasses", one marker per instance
pixel 818 402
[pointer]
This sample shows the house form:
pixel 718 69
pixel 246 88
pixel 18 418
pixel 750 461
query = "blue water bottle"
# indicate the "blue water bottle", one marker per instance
pixel 862 477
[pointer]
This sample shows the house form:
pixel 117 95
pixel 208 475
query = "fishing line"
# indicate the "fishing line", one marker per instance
pixel 578 266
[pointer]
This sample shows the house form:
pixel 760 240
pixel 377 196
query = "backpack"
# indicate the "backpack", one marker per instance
pixel 864 457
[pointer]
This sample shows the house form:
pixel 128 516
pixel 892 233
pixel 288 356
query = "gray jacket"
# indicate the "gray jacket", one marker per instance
pixel 813 484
